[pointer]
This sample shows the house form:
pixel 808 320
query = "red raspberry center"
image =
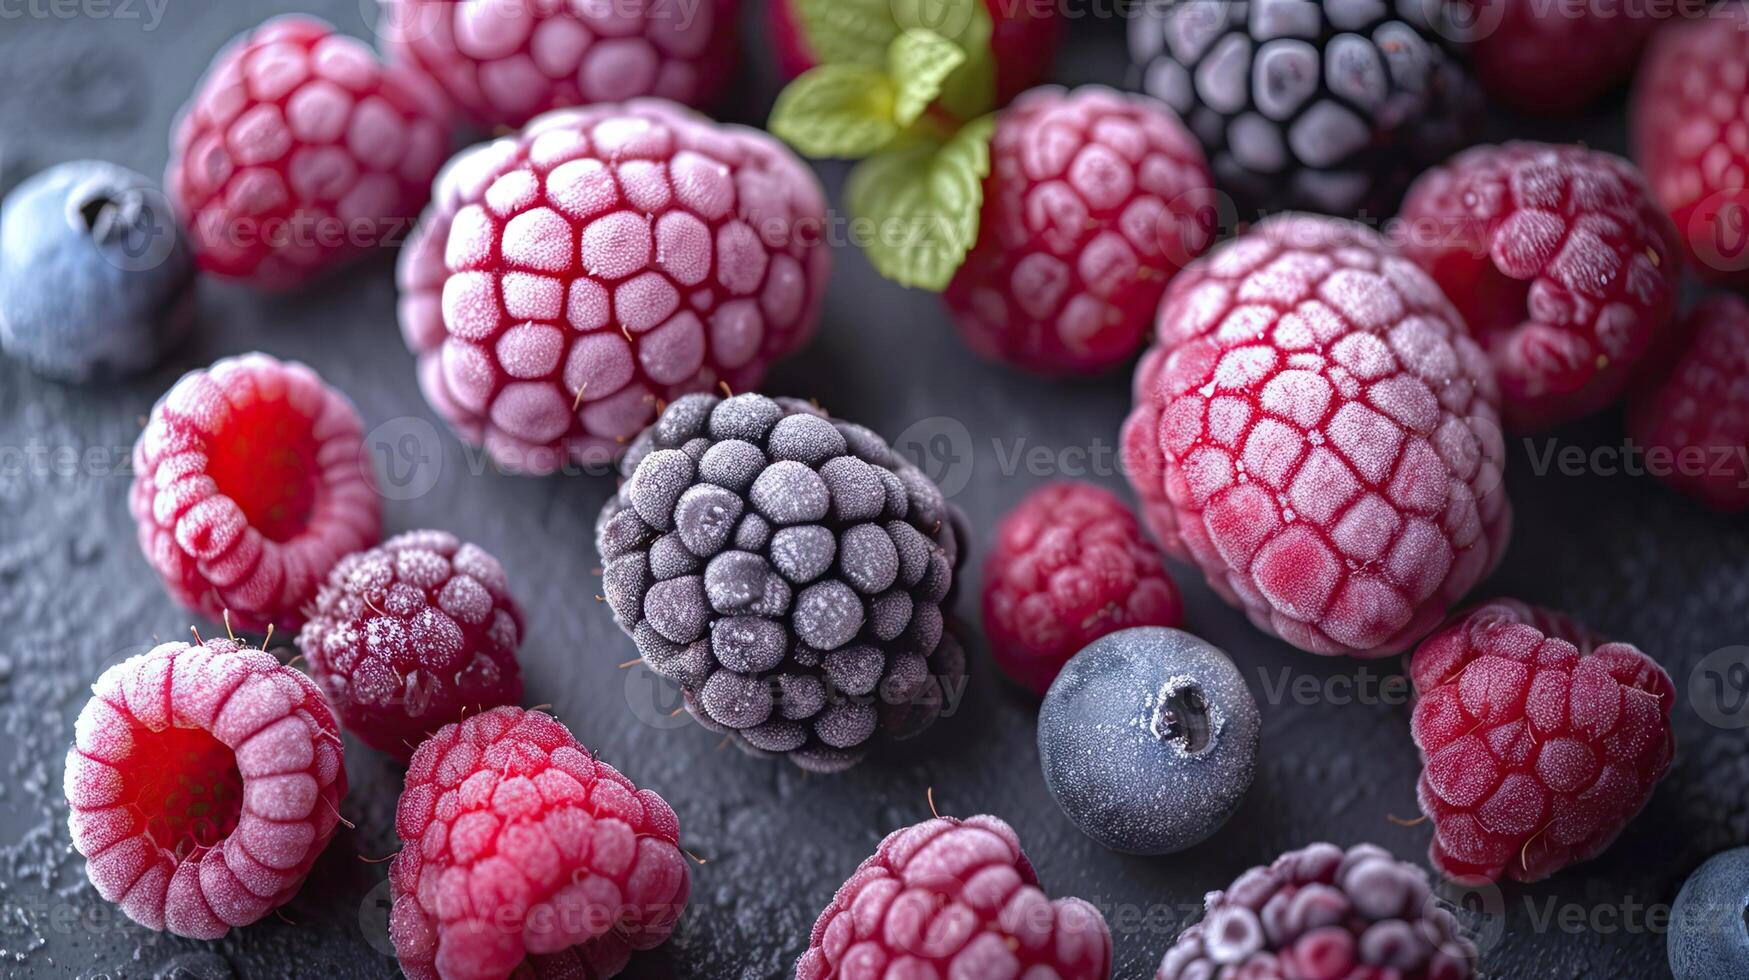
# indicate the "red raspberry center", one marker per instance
pixel 265 460
pixel 190 794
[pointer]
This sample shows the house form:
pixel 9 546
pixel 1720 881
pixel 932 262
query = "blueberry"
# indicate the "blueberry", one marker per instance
pixel 95 276
pixel 1148 740
pixel 1708 936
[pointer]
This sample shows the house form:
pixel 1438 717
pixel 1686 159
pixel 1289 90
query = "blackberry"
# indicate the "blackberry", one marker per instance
pixel 789 571
pixel 1319 105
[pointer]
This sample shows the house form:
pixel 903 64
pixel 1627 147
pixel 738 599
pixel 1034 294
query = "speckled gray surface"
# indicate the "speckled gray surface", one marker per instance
pixel 1624 555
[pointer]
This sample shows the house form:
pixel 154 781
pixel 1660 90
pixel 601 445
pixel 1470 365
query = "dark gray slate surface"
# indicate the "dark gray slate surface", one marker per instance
pixel 75 596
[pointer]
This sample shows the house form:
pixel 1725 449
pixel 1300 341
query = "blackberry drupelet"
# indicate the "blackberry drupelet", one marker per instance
pixel 1329 106
pixel 789 571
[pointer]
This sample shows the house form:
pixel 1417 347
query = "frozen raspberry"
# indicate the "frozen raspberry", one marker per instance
pixel 520 849
pixel 1023 41
pixel 1562 264
pixel 1070 564
pixel 1537 752
pixel 1691 134
pixel 248 486
pixel 1697 417
pixel 1319 435
pixel 503 62
pixel 954 898
pixel 1322 911
pixel 298 151
pixel 407 637
pixel 1094 200
pixel 202 784
pixel 1555 56
pixel 1331 106
pixel 569 280
pixel 789 571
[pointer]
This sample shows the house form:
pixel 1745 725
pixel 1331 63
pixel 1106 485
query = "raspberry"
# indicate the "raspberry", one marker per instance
pixel 954 898
pixel 1318 434
pixel 789 571
pixel 1069 565
pixel 1023 41
pixel 1555 57
pixel 701 262
pixel 1322 911
pixel 1699 413
pixel 248 487
pixel 503 62
pixel 1091 205
pixel 406 637
pixel 1537 752
pixel 1331 106
pixel 1562 264
pixel 518 845
pixel 1691 134
pixel 203 782
pixel 298 150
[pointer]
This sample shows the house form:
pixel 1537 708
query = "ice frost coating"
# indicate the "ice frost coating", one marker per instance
pixel 788 571
pixel 202 784
pixel 568 280
pixel 1316 431
pixel 1148 740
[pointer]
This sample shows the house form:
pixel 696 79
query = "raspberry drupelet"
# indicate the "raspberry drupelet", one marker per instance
pixel 521 853
pixel 1699 412
pixel 570 280
pixel 300 150
pixel 1319 435
pixel 407 637
pixel 1094 201
pixel 1538 747
pixel 503 62
pixel 1562 264
pixel 203 783
pixel 954 898
pixel 249 484
pixel 1690 116
pixel 1069 565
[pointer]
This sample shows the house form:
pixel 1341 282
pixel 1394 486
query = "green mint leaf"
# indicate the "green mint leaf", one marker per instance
pixel 923 201
pixel 919 61
pixel 850 32
pixel 837 111
pixel 971 91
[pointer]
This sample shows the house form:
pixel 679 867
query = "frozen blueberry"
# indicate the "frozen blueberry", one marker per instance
pixel 95 277
pixel 1709 939
pixel 1148 740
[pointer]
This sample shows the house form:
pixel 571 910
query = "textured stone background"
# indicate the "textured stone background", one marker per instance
pixel 75 596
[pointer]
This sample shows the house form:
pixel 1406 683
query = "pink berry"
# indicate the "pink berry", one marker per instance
pixel 1093 202
pixel 570 280
pixel 203 783
pixel 503 62
pixel 1069 565
pixel 249 485
pixel 300 150
pixel 1691 134
pixel 1698 414
pixel 954 898
pixel 407 637
pixel 1537 751
pixel 1562 264
pixel 521 853
pixel 1023 41
pixel 1319 435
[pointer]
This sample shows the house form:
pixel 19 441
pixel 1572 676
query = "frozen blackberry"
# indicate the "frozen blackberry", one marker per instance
pixel 1329 106
pixel 789 571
